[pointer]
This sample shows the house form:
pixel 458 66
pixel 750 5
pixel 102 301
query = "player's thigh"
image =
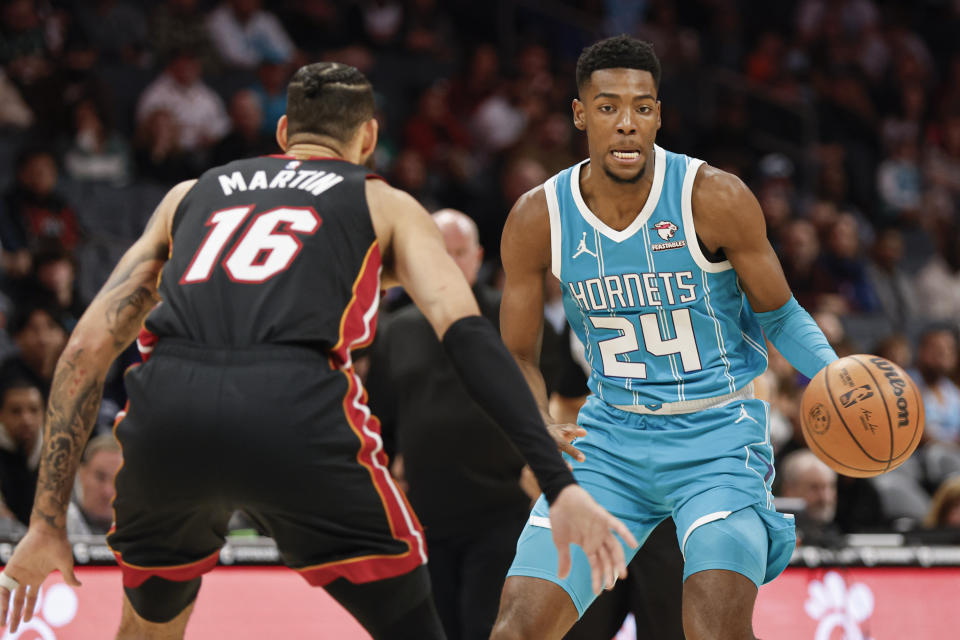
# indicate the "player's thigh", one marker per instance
pixel 726 561
pixel 533 609
pixel 158 610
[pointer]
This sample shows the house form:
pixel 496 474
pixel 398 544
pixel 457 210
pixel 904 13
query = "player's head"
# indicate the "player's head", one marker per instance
pixel 803 475
pixel 330 104
pixel 462 239
pixel 618 105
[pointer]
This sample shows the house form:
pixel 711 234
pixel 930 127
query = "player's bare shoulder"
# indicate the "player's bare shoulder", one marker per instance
pixel 389 207
pixel 725 211
pixel 526 234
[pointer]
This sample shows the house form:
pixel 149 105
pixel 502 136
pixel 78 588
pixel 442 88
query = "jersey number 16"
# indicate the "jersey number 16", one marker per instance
pixel 266 248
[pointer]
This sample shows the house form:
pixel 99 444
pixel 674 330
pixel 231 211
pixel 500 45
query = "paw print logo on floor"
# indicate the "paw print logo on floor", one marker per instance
pixel 56 607
pixel 838 607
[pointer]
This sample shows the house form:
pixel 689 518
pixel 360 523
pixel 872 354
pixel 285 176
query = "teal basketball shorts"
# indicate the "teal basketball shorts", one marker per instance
pixel 711 470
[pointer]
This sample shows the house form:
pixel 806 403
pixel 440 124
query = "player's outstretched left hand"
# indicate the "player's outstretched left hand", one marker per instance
pixel 575 518
pixel 40 552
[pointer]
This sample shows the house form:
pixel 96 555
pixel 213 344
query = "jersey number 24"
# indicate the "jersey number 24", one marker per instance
pixel 683 344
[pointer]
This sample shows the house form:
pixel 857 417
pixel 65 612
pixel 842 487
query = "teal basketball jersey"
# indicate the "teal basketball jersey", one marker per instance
pixel 660 323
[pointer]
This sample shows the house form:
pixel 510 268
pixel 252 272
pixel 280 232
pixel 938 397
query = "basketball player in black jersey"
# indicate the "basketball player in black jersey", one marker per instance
pixel 255 282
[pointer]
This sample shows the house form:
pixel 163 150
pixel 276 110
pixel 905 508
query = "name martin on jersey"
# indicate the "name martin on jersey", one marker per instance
pixel 316 182
pixel 632 290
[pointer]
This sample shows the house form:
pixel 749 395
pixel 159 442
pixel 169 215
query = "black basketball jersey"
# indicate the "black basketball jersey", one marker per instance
pixel 273 250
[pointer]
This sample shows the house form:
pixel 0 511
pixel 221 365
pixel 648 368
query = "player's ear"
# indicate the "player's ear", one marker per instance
pixel 368 137
pixel 659 122
pixel 282 132
pixel 579 114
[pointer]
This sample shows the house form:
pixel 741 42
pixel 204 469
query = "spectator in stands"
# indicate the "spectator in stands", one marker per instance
pixel 936 362
pixel 433 130
pixel 844 261
pixel 271 89
pixel 55 274
pixel 803 475
pixel 895 348
pixel 14 112
pixel 198 112
pixel 945 509
pixel 96 153
pixel 117 30
pixel 34 212
pixel 245 138
pixel 158 152
pixel 464 479
pixel 177 25
pixel 23 54
pixel 938 282
pixel 810 281
pixel 21 430
pixel 91 507
pixel 244 34
pixel 39 338
pixel 894 290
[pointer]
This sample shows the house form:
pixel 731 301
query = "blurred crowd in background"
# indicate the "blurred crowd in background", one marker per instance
pixel 843 116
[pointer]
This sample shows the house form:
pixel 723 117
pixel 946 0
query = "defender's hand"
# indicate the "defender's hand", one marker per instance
pixel 564 434
pixel 39 552
pixel 575 518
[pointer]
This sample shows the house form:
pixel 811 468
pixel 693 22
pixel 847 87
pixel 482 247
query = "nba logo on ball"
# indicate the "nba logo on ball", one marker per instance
pixel 875 412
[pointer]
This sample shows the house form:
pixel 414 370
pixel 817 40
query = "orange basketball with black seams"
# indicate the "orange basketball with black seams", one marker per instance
pixel 862 415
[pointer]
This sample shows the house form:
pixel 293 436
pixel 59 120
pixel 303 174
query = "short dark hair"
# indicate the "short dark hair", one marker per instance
pixel 618 52
pixel 328 99
pixel 14 381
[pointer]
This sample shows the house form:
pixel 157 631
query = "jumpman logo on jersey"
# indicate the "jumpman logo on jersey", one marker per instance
pixel 582 247
pixel 744 416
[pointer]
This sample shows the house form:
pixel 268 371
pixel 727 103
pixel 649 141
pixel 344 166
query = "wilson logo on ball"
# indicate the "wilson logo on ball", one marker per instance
pixel 851 398
pixel 898 385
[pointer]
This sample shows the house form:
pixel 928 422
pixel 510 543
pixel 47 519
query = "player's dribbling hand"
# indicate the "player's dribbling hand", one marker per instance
pixel 40 551
pixel 575 518
pixel 563 435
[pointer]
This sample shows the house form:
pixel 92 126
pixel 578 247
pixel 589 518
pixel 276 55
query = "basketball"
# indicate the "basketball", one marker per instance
pixel 862 415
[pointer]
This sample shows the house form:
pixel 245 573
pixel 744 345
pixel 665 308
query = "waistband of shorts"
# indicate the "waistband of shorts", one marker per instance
pixel 689 406
pixel 252 354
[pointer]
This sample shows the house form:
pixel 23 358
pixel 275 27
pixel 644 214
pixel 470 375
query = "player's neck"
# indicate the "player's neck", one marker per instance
pixel 305 150
pixel 616 203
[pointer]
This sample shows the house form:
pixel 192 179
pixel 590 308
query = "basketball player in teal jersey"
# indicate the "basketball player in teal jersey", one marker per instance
pixel 670 283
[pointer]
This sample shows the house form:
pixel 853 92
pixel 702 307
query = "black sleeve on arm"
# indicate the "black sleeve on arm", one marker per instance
pixel 494 381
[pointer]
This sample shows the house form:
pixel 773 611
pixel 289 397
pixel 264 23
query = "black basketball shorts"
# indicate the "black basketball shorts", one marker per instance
pixel 275 431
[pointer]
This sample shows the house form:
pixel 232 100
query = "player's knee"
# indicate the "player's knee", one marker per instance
pixel 533 609
pixel 736 543
pixel 158 601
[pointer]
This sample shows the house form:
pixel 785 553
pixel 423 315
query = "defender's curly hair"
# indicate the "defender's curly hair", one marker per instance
pixel 618 52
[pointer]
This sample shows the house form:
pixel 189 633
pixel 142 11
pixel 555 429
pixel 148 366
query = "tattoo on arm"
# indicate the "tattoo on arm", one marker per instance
pixel 74 402
pixel 109 325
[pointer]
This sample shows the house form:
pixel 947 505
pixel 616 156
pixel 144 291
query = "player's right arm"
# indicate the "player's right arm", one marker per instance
pixel 108 326
pixel 415 258
pixel 525 253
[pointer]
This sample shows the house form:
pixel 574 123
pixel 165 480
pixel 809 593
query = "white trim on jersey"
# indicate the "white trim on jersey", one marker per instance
pixel 659 170
pixel 689 231
pixel 553 208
